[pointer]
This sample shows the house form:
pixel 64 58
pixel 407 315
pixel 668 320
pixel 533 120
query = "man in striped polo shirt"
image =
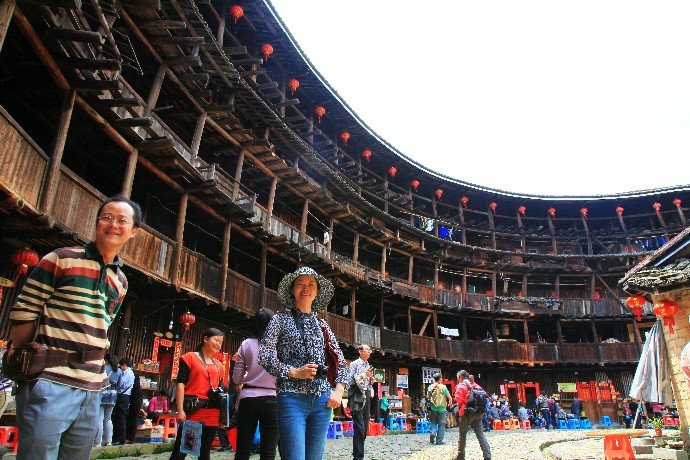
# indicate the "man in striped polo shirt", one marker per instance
pixel 68 302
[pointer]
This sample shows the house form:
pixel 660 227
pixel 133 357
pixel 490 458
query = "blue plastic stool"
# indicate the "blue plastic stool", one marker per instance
pixel 335 430
pixel 423 426
pixel 392 424
pixel 573 424
pixel 606 420
pixel 585 424
pixel 561 424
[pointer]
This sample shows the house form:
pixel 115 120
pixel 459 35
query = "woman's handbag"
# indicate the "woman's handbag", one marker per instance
pixel 191 404
pixel 331 355
pixel 109 395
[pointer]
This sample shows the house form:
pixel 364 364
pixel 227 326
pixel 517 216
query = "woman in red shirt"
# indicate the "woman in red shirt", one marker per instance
pixel 199 373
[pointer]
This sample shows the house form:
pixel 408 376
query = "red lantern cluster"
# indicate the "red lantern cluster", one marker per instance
pixel 666 309
pixel 393 171
pixel 187 319
pixel 657 207
pixel 522 210
pixel 464 200
pixel 635 303
pixel 552 212
pixel 584 212
pixel 293 84
pixel 438 193
pixel 236 12
pixel 677 202
pixel 345 136
pixel 366 153
pixel 619 211
pixel 493 206
pixel 320 112
pixel 266 50
pixel 24 258
pixel 414 184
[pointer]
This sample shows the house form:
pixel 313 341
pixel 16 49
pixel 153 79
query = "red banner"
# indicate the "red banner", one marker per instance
pixel 176 360
pixel 154 355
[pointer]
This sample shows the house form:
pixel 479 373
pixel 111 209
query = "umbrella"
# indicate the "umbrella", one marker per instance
pixel 652 381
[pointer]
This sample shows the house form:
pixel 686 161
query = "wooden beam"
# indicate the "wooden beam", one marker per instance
pixel 191 61
pixel 118 102
pixel 97 85
pixel 132 122
pixel 161 24
pixel 67 4
pixel 235 50
pixel 175 40
pixel 151 4
pixel 73 35
pixel 6 11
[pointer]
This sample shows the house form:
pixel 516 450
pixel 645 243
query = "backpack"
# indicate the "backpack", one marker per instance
pixel 476 400
pixel 438 396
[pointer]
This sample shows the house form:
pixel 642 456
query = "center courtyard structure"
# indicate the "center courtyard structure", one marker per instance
pixel 247 164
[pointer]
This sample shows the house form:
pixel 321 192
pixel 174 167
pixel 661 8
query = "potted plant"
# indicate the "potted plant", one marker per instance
pixel 657 423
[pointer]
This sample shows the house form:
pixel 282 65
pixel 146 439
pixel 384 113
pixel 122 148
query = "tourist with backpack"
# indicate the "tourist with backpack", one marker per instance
pixel 440 399
pixel 471 399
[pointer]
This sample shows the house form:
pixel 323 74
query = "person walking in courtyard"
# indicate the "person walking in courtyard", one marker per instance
pixel 67 305
pixel 439 396
pixel 384 405
pixel 360 377
pixel 470 415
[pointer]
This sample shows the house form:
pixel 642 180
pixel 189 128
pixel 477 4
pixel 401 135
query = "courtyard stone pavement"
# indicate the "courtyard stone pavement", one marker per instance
pixel 505 445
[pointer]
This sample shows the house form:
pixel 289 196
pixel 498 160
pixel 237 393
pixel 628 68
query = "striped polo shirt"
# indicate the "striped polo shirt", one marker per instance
pixel 75 296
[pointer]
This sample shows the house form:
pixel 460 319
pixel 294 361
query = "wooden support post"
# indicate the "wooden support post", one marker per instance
pixel 493 282
pixel 262 276
pixel 596 340
pixel 592 286
pixel 130 171
pixel 524 285
pixel 303 223
pixel 410 268
pixel 224 258
pixel 436 264
pixel 155 90
pixel 355 250
pixel 179 236
pixel 384 251
pixel 6 10
pixel 125 328
pixel 238 175
pixel 53 176
pixel 557 288
pixel 382 323
pixel 353 304
pixel 329 245
pixel 271 202
pixel 198 132
pixel 221 23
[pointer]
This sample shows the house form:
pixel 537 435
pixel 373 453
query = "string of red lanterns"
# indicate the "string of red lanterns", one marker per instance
pixel 293 84
pixel 414 184
pixel 236 12
pixel 345 136
pixel 666 309
pixel 24 259
pixel 266 50
pixel 320 112
pixel 366 153
pixel 657 207
pixel 393 171
pixel 677 202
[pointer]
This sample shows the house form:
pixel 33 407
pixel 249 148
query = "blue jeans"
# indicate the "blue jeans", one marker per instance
pixel 56 421
pixel 104 434
pixel 303 425
pixel 438 424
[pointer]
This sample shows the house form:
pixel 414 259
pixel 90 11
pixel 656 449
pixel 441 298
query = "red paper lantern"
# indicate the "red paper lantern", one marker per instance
pixel 24 258
pixel 677 202
pixel 266 50
pixel 187 319
pixel 584 212
pixel 345 136
pixel 619 211
pixel 464 200
pixel 293 84
pixel 320 112
pixel 552 212
pixel 236 12
pixel 438 193
pixel 635 303
pixel 657 207
pixel 366 153
pixel 393 171
pixel 522 210
pixel 414 184
pixel 666 309
pixel 493 206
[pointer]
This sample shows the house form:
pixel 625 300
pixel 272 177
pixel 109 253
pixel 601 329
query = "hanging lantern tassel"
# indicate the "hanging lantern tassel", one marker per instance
pixel 666 309
pixel 636 302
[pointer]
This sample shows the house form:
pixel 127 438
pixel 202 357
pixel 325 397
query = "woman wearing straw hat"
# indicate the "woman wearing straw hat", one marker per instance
pixel 293 351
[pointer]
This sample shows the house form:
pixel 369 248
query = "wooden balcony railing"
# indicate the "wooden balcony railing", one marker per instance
pixel 22 163
pixel 480 351
pixel 395 341
pixel 341 327
pixel 150 252
pixel 76 204
pixel 200 275
pixel 370 335
pixel 578 353
pixel 619 352
pixel 450 350
pixel 546 353
pixel 242 293
pixel 271 301
pixel 512 352
pixel 406 289
pixel 423 346
pixel 450 298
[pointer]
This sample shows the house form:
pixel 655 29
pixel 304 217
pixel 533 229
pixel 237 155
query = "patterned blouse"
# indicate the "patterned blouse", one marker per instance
pixel 283 348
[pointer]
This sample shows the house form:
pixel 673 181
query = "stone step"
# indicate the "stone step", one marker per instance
pixel 663 453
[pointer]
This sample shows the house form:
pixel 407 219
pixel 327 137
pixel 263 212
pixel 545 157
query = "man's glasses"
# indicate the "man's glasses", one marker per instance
pixel 108 220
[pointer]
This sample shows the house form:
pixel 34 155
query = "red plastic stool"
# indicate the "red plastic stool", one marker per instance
pixel 525 425
pixel 9 436
pixel 169 423
pixel 497 425
pixel 617 447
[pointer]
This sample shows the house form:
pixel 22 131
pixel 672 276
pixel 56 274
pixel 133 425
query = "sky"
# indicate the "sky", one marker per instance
pixel 535 97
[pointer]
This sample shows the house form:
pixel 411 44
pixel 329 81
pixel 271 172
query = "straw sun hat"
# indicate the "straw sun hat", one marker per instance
pixel 323 296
